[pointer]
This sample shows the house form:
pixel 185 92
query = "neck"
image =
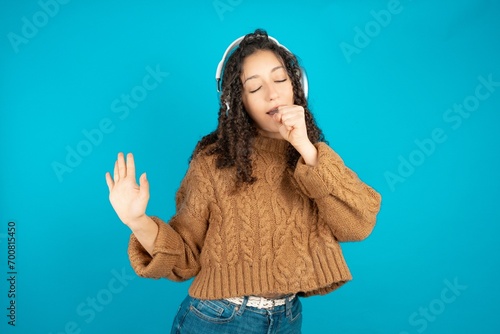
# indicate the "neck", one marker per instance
pixel 269 134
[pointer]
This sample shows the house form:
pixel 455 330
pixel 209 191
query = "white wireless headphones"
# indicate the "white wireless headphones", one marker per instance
pixel 233 46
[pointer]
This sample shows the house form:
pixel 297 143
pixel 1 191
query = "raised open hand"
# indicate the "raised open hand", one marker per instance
pixel 129 200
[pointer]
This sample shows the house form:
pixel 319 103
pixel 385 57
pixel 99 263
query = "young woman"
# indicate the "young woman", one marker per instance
pixel 261 210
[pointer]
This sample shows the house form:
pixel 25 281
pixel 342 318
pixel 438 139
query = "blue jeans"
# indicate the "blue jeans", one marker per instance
pixel 221 316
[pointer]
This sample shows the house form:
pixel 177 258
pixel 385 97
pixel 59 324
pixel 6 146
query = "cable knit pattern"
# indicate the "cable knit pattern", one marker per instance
pixel 279 235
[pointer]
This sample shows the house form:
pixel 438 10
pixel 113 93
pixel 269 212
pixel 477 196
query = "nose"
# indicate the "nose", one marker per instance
pixel 272 92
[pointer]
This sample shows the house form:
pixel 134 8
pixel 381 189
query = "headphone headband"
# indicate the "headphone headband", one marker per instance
pixel 233 46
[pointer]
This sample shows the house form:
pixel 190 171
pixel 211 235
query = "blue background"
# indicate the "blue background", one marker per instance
pixel 439 221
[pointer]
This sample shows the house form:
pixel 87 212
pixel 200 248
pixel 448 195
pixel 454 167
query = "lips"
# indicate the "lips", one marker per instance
pixel 273 111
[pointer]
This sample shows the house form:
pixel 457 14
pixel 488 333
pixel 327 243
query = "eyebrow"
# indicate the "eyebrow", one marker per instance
pixel 256 76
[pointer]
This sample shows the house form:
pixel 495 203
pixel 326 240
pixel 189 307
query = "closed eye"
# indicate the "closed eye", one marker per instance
pixel 255 90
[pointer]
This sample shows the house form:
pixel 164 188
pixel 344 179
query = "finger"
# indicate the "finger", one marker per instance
pixel 144 186
pixel 289 121
pixel 295 118
pixel 284 110
pixel 116 176
pixel 122 169
pixel 109 181
pixel 130 165
pixel 277 117
pixel 286 114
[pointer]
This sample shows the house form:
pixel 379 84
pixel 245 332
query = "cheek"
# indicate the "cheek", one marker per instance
pixel 288 91
pixel 247 103
pixel 252 103
pixel 251 107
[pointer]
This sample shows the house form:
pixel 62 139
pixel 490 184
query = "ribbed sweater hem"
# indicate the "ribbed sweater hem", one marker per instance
pixel 243 279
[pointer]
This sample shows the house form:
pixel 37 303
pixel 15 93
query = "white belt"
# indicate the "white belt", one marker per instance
pixel 260 302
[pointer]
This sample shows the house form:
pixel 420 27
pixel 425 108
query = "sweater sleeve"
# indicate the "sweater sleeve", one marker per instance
pixel 344 202
pixel 178 244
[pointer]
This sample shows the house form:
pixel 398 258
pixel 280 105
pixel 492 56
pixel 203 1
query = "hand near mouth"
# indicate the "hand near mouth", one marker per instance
pixel 293 129
pixel 292 123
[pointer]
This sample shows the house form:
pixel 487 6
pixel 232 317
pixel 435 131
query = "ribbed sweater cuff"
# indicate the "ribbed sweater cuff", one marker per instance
pixel 167 247
pixel 317 181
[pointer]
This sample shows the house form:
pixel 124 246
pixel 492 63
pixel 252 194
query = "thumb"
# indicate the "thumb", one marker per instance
pixel 109 181
pixel 143 186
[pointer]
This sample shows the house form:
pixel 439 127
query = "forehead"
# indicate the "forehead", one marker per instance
pixel 260 62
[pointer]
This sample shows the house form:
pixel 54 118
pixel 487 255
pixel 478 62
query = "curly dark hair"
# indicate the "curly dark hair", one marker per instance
pixel 232 140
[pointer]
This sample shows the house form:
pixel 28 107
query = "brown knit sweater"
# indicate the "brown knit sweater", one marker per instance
pixel 279 235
